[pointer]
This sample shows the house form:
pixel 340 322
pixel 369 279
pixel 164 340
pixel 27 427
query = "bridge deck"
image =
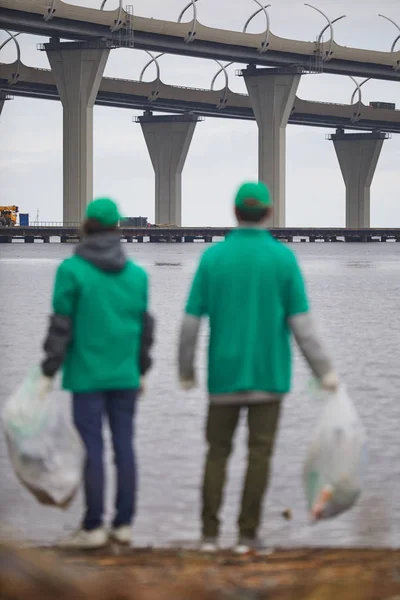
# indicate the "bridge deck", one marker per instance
pixel 122 93
pixel 81 23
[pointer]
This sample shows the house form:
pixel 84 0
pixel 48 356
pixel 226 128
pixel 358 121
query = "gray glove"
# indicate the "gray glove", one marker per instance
pixel 188 384
pixel 330 382
pixel 45 385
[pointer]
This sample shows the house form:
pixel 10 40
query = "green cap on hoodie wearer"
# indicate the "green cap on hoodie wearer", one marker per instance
pixel 253 196
pixel 103 210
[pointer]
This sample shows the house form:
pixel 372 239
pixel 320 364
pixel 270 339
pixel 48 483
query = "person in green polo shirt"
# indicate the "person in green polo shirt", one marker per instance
pixel 101 333
pixel 252 291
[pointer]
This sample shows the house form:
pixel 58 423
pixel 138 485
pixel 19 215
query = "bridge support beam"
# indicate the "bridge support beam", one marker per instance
pixel 272 94
pixel 77 73
pixel 168 140
pixel 358 155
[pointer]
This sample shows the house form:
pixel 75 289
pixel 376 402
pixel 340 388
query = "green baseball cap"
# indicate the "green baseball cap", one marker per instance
pixel 103 210
pixel 253 196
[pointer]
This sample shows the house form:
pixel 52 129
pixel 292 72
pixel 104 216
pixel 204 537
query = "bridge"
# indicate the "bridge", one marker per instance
pixel 193 234
pixel 157 96
pixel 271 99
pixel 55 18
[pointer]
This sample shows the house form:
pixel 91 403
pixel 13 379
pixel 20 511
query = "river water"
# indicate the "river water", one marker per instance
pixel 355 294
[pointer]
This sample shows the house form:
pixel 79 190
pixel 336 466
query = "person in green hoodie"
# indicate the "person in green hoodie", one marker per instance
pixel 252 291
pixel 101 333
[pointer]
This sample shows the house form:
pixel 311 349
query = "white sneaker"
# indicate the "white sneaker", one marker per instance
pixel 85 540
pixel 209 545
pixel 122 535
pixel 247 545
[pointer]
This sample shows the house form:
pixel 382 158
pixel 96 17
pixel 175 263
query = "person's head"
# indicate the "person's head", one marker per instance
pixel 253 203
pixel 102 215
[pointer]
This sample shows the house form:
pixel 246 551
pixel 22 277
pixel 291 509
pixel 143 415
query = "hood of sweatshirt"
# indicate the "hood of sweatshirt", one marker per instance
pixel 104 250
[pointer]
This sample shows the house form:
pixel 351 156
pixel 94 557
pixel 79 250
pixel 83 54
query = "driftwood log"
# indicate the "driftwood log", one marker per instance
pixel 313 574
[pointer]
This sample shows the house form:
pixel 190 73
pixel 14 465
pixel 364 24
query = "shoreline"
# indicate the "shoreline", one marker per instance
pixel 147 573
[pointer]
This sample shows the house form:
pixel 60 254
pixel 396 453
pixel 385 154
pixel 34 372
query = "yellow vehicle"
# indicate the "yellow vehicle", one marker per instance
pixel 8 216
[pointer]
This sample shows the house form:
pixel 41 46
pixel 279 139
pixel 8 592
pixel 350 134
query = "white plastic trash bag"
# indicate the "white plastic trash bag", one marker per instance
pixel 46 451
pixel 336 459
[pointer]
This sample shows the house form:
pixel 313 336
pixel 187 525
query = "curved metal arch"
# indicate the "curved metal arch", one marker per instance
pixel 249 20
pixel 358 89
pixel 395 42
pixel 153 59
pixel 119 21
pixel 265 44
pixel 397 27
pixel 192 33
pixel 357 115
pixel 328 26
pixel 13 37
pixel 50 11
pixel 223 70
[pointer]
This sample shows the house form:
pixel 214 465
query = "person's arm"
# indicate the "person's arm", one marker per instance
pixel 306 334
pixel 196 308
pixel 59 333
pixel 147 336
pixel 187 350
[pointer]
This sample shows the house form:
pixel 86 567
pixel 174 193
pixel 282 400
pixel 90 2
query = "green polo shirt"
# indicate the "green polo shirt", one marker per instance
pixel 249 286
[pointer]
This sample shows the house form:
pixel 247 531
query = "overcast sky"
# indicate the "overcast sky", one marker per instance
pixel 223 153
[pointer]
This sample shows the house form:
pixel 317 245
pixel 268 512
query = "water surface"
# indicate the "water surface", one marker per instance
pixel 355 292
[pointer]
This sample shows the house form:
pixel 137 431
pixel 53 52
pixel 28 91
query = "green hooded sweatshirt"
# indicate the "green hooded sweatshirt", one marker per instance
pixel 104 297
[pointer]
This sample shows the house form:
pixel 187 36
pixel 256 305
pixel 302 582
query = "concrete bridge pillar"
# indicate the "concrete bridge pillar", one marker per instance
pixel 168 140
pixel 272 94
pixel 77 71
pixel 358 155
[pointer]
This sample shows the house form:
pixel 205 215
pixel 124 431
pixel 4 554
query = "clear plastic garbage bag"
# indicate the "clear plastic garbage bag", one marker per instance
pixel 46 451
pixel 336 459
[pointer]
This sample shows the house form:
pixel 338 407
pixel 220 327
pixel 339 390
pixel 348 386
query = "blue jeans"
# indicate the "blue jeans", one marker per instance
pixel 88 411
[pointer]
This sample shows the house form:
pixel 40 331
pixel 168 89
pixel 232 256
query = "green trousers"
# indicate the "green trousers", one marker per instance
pixel 221 425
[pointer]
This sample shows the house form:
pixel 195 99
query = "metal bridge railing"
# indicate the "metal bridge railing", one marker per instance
pixel 51 224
